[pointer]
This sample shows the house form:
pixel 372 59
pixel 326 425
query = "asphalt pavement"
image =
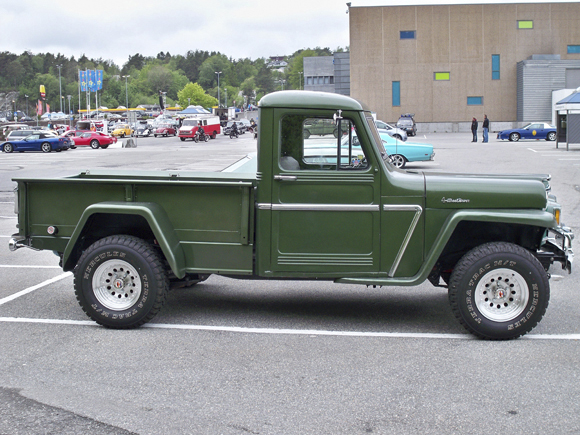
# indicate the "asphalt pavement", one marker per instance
pixel 281 357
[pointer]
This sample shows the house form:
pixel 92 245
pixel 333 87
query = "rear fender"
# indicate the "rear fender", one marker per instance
pixel 156 218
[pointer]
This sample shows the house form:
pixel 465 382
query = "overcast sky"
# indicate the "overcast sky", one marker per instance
pixel 115 29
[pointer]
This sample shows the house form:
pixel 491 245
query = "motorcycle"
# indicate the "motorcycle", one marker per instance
pixel 200 136
pixel 234 133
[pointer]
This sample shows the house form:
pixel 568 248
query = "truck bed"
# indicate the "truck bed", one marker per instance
pixel 209 215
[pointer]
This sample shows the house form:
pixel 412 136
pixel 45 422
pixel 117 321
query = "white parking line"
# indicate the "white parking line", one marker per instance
pixel 310 332
pixel 24 266
pixel 35 287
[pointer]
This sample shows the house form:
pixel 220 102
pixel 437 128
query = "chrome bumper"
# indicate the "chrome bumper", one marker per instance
pixel 14 244
pixel 559 242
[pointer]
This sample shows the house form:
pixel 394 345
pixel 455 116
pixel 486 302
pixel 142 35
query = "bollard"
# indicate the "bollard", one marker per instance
pixel 129 143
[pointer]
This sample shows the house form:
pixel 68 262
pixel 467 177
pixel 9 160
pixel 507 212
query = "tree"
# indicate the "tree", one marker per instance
pixel 207 73
pixel 197 96
pixel 160 78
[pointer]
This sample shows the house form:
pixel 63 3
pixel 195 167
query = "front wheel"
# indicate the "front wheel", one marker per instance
pixel 514 137
pixel 94 144
pixel 182 139
pixel 551 136
pixel 499 291
pixel 205 138
pixel 8 148
pixel 46 147
pixel 120 282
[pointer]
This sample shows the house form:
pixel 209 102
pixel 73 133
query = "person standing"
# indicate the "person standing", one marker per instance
pixel 474 129
pixel 485 128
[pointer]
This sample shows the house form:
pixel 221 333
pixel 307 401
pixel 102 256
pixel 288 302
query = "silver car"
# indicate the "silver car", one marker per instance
pixel 395 132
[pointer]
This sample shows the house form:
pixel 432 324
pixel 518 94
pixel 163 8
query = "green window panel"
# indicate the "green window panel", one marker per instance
pixel 441 76
pixel 525 24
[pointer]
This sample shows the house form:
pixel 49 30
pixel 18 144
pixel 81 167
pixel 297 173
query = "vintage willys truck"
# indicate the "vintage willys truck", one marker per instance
pixel 318 208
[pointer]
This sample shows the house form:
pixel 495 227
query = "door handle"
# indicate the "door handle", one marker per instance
pixel 285 177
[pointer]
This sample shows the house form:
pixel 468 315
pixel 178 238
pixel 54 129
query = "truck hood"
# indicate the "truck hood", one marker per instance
pixel 448 190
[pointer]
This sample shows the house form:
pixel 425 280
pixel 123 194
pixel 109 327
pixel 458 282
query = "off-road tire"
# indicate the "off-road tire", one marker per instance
pixel 499 291
pixel 120 282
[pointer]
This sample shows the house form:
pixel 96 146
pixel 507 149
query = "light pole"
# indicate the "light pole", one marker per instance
pixel 59 86
pixel 69 112
pixel 188 102
pixel 300 74
pixel 26 105
pixel 218 74
pixel 226 98
pixel 126 93
pixel 14 111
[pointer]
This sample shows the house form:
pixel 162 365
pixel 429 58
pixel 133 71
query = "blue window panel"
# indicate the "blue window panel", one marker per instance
pixel 495 66
pixel 573 49
pixel 407 34
pixel 474 101
pixel 396 93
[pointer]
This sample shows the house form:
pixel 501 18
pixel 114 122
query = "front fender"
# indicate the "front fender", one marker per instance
pixel 538 218
pixel 157 220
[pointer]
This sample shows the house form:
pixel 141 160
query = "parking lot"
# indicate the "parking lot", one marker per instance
pixel 282 357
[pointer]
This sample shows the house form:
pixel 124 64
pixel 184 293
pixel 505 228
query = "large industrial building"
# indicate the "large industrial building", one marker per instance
pixel 450 63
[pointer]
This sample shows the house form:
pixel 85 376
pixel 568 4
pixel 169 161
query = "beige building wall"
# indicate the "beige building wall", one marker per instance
pixel 459 39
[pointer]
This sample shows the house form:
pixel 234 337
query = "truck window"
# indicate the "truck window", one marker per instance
pixel 319 143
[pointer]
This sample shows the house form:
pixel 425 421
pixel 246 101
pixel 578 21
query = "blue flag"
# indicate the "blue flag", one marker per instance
pixel 92 80
pixel 99 79
pixel 83 80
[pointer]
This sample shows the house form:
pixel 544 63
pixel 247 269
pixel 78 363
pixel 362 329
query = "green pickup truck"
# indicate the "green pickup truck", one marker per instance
pixel 317 208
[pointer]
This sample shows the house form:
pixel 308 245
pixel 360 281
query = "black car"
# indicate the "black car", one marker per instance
pixel 407 123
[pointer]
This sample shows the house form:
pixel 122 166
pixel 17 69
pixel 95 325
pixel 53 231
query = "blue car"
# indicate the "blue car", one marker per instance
pixel 535 130
pixel 45 142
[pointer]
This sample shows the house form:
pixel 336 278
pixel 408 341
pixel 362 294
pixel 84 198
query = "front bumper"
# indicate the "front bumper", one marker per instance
pixel 558 242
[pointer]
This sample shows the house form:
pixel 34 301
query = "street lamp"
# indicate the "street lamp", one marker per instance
pixel 300 74
pixel 188 102
pixel 218 74
pixel 14 111
pixel 281 82
pixel 69 112
pixel 126 93
pixel 59 86
pixel 26 105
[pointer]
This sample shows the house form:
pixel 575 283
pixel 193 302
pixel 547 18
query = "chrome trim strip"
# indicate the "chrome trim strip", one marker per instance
pixel 262 206
pixel 402 207
pixel 325 207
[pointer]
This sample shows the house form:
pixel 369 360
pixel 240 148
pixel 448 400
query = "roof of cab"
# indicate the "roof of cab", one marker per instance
pixel 310 99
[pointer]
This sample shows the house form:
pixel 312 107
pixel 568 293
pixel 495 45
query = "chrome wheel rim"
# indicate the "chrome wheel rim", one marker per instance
pixel 398 160
pixel 501 295
pixel 117 285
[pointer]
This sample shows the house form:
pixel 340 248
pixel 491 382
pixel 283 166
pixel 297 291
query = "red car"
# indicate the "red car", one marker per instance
pixel 94 139
pixel 165 130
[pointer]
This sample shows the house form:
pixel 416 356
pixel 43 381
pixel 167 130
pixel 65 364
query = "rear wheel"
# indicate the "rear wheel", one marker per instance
pixel 8 148
pixel 94 144
pixel 398 160
pixel 499 291
pixel 551 136
pixel 120 282
pixel 46 147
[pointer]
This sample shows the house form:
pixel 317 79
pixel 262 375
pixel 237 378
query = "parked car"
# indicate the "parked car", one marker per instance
pixel 395 132
pixel 535 130
pixel 143 129
pixel 319 127
pixel 398 153
pixel 165 130
pixel 407 122
pixel 122 130
pixel 402 153
pixel 241 127
pixel 94 139
pixel 22 133
pixel 39 141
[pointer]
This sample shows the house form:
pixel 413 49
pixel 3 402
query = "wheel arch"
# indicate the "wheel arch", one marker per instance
pixel 147 221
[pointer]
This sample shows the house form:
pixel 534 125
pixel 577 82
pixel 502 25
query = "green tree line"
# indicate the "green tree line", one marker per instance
pixel 186 79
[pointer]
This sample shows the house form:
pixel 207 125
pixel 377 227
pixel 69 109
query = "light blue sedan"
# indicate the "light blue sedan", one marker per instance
pixel 402 152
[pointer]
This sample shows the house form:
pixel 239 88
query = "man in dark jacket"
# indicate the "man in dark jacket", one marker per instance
pixel 485 128
pixel 474 129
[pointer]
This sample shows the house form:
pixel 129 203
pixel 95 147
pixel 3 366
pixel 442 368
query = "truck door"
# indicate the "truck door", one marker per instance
pixel 325 198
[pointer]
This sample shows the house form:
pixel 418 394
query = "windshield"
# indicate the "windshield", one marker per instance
pixel 405 121
pixel 189 122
